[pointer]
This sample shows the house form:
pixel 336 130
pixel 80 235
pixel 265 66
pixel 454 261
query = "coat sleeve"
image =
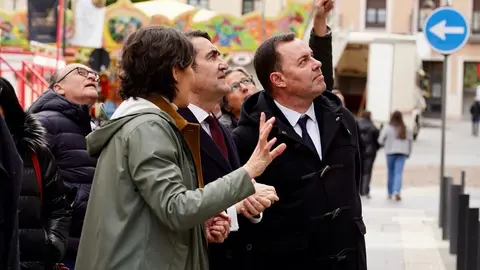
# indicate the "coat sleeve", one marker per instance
pixel 322 51
pixel 154 168
pixel 56 209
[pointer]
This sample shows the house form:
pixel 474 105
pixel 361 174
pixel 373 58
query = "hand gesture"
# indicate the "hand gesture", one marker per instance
pixel 263 198
pixel 323 7
pixel 262 156
pixel 217 228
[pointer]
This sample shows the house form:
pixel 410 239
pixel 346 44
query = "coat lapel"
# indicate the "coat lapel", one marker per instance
pixel 207 146
pixel 329 122
pixel 190 132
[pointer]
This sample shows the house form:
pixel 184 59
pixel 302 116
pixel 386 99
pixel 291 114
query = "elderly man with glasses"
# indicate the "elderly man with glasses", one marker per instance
pixel 64 112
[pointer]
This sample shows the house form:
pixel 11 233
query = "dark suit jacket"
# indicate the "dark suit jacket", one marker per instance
pixel 214 165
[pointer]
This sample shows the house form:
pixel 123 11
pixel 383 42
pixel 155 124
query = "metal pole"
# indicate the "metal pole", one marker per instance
pixel 472 241
pixel 447 182
pixel 442 146
pixel 64 29
pixel 463 203
pixel 455 191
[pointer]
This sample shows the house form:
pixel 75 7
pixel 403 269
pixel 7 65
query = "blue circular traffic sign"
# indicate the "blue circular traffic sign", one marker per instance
pixel 446 30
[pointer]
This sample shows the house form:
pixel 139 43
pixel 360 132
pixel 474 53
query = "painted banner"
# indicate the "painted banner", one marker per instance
pixel 89 21
pixel 42 20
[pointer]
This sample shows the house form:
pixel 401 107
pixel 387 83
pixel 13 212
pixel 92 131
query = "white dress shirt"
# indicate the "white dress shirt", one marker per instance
pixel 312 124
pixel 201 116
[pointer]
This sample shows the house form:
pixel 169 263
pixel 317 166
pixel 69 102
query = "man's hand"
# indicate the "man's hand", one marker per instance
pixel 323 8
pixel 263 198
pixel 217 228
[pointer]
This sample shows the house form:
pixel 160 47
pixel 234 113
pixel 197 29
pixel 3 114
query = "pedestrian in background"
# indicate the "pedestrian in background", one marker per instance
pixel 397 141
pixel 11 174
pixel 475 112
pixel 369 147
pixel 43 212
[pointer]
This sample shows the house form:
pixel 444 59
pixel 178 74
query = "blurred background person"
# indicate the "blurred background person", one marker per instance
pixel 43 213
pixel 242 86
pixel 369 142
pixel 11 173
pixel 397 141
pixel 475 112
pixel 339 94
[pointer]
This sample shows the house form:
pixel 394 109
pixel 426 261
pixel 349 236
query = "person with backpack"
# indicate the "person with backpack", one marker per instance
pixel 43 211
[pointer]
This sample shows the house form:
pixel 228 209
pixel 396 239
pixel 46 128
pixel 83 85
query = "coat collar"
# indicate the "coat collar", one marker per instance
pixel 169 108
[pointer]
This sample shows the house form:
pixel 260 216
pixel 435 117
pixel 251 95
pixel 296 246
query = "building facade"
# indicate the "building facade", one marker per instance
pixel 407 17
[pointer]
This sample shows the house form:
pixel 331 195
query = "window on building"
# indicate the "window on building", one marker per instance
pixel 199 3
pixel 424 9
pixel 251 5
pixel 476 17
pixel 376 14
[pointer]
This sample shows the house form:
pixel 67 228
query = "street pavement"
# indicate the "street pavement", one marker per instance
pixel 405 235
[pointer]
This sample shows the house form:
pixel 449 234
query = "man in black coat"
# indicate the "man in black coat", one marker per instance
pixel 11 167
pixel 317 223
pixel 64 112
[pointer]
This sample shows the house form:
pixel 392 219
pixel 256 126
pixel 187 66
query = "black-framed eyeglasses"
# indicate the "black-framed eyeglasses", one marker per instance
pixel 245 81
pixel 82 72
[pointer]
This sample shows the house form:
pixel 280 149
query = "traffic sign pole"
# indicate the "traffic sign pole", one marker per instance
pixel 447 31
pixel 443 188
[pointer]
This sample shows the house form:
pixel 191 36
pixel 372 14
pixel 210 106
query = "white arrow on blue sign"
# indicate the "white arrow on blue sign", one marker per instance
pixel 446 30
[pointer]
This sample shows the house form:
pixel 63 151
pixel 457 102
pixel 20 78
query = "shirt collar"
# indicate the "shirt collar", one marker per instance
pixel 199 113
pixel 293 116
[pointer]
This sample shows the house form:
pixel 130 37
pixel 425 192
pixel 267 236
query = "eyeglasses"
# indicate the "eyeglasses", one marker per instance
pixel 245 81
pixel 82 72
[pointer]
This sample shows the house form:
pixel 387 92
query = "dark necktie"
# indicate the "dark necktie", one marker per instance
pixel 307 140
pixel 217 135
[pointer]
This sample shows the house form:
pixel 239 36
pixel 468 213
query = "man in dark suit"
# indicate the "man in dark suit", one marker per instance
pixel 218 151
pixel 318 223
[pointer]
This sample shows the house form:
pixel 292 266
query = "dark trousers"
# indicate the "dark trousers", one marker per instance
pixel 367 175
pixel 475 127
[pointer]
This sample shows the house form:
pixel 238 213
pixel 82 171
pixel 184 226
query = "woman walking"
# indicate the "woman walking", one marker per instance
pixel 397 142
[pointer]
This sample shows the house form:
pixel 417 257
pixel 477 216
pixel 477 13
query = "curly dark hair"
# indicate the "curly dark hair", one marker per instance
pixel 148 57
pixel 268 60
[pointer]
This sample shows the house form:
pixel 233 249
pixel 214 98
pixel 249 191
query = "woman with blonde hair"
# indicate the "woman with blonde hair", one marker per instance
pixel 397 142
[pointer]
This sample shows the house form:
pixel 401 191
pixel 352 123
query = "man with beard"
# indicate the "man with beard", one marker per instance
pixel 318 221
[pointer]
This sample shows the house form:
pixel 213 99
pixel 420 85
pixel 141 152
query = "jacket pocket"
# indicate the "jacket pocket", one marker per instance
pixel 180 254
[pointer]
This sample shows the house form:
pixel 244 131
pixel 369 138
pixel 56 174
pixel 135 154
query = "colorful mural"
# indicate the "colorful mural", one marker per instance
pixel 122 19
pixel 229 33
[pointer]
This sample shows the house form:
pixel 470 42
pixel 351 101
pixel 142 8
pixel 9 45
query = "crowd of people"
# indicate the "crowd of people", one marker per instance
pixel 197 168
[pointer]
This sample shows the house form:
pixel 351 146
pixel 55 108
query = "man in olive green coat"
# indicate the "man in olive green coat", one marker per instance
pixel 147 207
